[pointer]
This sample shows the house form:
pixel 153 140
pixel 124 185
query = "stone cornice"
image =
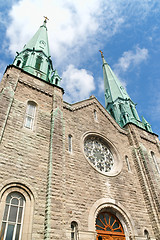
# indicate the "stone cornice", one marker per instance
pixel 35 77
pixel 34 87
pixel 148 139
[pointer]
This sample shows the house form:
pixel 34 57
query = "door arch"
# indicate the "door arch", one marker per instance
pixel 108 227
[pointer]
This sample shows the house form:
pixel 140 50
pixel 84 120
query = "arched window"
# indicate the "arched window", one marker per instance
pixel 25 58
pixel 70 143
pixel 74 230
pixel 56 81
pixel 12 222
pixel 155 162
pixel 95 115
pixel 18 63
pixel 30 115
pixel 127 162
pixel 146 234
pixel 108 225
pixel 38 62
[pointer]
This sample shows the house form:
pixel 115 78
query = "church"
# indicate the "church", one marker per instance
pixel 73 171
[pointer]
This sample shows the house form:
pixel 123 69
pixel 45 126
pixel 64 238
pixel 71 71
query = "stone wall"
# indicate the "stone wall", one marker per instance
pixel 64 185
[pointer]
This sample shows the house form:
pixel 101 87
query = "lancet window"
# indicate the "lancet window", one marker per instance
pixel 25 58
pixel 70 143
pixel 95 115
pixel 74 230
pixel 12 222
pixel 38 62
pixel 30 115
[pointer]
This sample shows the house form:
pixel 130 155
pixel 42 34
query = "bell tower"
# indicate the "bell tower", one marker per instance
pixel 35 57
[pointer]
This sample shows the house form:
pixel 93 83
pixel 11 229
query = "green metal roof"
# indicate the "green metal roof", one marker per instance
pixel 39 41
pixel 35 57
pixel 112 84
pixel 117 101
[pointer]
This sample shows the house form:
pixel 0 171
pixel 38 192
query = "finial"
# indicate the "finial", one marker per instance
pixel 45 19
pixel 101 53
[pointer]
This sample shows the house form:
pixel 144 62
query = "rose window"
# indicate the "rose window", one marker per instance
pixel 98 154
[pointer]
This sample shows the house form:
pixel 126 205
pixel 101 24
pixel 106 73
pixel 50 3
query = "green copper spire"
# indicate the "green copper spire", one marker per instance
pixel 39 41
pixel 35 56
pixel 117 101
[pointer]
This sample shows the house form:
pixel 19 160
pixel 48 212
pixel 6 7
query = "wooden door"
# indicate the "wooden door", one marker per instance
pixel 108 227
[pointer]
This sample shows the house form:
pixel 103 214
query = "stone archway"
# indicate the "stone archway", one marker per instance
pixel 116 209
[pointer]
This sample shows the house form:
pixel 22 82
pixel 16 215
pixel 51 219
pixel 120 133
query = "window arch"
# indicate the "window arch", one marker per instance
pixel 38 62
pixel 95 115
pixel 16 212
pixel 18 63
pixel 74 230
pixel 12 222
pixel 30 115
pixel 107 225
pixel 25 58
pixel 70 143
pixel 146 234
pixel 115 208
pixel 56 81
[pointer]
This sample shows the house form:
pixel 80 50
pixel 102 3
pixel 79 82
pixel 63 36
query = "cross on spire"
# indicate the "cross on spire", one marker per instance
pixel 101 53
pixel 45 19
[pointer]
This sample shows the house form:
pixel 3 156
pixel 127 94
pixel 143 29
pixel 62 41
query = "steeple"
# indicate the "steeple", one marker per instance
pixel 117 101
pixel 35 57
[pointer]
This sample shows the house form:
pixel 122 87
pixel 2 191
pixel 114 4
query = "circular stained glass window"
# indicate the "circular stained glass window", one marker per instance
pixel 98 154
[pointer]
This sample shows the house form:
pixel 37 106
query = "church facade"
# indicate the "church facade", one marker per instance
pixel 73 171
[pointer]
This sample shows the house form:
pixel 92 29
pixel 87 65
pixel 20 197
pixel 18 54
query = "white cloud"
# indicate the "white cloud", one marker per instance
pixel 76 28
pixel 73 24
pixel 78 84
pixel 128 61
pixel 131 58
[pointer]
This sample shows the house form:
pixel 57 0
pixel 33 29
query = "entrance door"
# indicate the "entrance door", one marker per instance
pixel 108 227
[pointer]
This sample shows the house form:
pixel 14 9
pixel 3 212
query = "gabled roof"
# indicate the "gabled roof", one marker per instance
pixel 93 101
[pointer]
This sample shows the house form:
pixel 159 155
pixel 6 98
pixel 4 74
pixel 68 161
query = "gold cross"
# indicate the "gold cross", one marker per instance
pixel 101 53
pixel 45 18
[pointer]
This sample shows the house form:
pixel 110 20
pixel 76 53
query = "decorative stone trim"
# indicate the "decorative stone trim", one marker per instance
pixel 29 205
pixel 118 163
pixel 34 87
pixel 120 212
pixel 148 139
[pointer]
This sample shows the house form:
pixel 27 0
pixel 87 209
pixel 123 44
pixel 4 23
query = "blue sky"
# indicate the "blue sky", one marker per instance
pixel 128 33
